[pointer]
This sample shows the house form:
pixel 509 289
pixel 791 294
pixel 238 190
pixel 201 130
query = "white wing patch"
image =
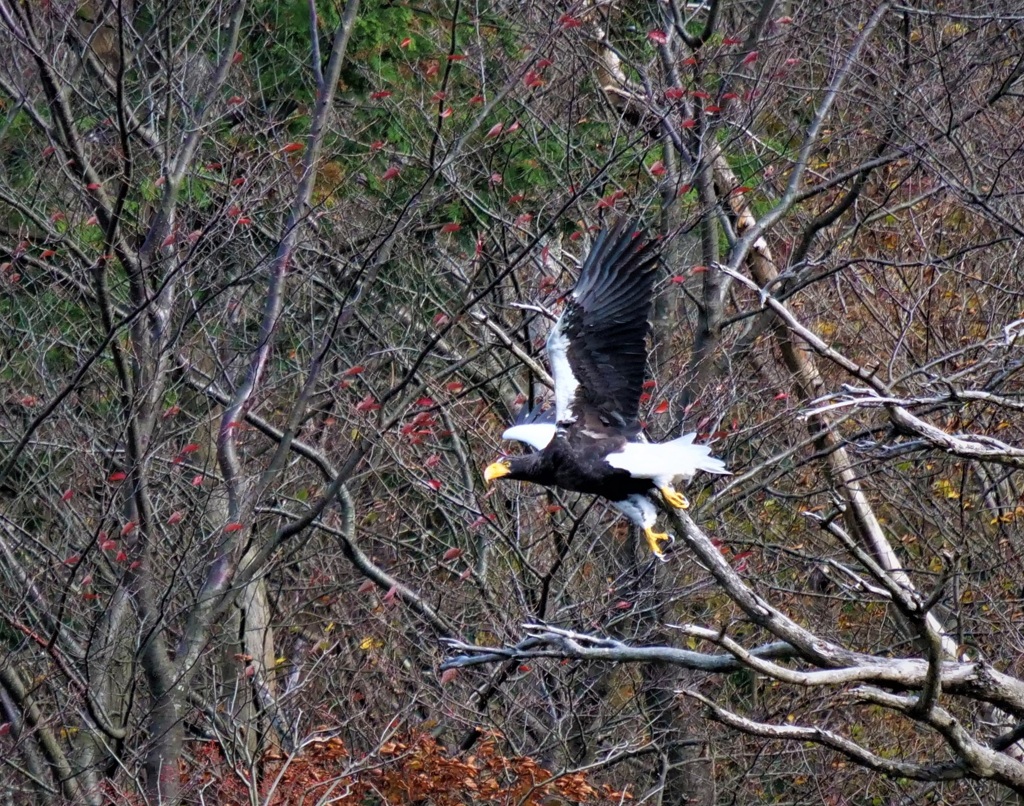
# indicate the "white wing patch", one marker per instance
pixel 536 435
pixel 666 460
pixel 565 381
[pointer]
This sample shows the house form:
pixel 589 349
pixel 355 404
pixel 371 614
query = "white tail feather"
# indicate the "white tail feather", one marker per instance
pixel 678 457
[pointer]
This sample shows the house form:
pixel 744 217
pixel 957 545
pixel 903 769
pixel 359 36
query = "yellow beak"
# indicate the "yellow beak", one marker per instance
pixel 496 470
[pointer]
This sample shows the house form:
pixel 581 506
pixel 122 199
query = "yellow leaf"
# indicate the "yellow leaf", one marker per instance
pixel 369 643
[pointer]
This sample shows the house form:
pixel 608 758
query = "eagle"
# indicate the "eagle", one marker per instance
pixel 597 351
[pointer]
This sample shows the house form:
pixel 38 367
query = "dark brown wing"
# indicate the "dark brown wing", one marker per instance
pixel 597 349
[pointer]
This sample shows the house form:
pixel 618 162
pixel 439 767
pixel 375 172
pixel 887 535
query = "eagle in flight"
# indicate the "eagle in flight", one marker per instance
pixel 597 351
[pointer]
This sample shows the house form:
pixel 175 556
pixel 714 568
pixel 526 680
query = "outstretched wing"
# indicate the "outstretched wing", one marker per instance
pixel 597 348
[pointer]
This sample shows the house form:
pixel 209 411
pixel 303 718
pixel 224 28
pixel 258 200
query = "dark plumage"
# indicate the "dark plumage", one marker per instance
pixel 598 353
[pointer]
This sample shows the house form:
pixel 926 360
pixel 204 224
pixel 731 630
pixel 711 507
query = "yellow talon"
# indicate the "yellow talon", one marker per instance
pixel 674 499
pixel 653 539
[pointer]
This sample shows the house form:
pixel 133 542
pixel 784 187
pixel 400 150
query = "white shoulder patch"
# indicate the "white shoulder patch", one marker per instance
pixel 536 435
pixel 565 381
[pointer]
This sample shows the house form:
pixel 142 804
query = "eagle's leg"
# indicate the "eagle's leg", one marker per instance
pixel 674 499
pixel 654 539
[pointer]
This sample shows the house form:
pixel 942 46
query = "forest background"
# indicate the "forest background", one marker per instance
pixel 274 277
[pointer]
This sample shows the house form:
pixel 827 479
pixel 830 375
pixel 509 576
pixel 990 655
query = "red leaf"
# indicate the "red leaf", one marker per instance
pixel 525 668
pixel 544 63
pixel 690 62
pixel 376 96
pixel 677 279
pixel 781 396
pixel 237 182
pixel 698 270
pixel 137 564
pixel 568 21
pixel 291 148
pixel 513 127
pixel 454 386
pixel 244 222
pixel 661 408
pixel 168 240
pixel 446 676
pixel 645 397
pixel 456 57
pixel 731 40
pixel 657 37
pixel 367 404
pixel 117 475
pixel 108 545
pixel 90 596
pixel 477 99
pixel 92 221
pixel 742 189
pixel 729 96
pixel 358 369
pixel 689 123
pixel 175 518
pixel 440 95
pixel 551 509
pixel 234 526
pixel 650 383
pixel 389 597
pixel 496 179
pixel 48 151
pixel 405 42
pixel 128 528
pixel 377 145
pixel 784 20
pixel 750 58
pixel 367 586
pixel 495 130
pixel 47 253
pixel 237 58
pixel 702 94
pixel 87 580
pixel 712 109
pixel 451 226
pixel 623 605
pixel 466 574
pixel 68 494
pixel 434 484
pixel 532 79
pixel 197 481
pixel 524 219
pixel 121 557
pixel 72 559
pixel 170 411
pixel 518 197
pixel 433 460
pixel 431 70
pixel 452 554
pixel 390 173
pixel 192 447
pixel 658 168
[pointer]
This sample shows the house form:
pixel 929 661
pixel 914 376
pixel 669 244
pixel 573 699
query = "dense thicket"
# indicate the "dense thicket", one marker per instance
pixel 274 276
